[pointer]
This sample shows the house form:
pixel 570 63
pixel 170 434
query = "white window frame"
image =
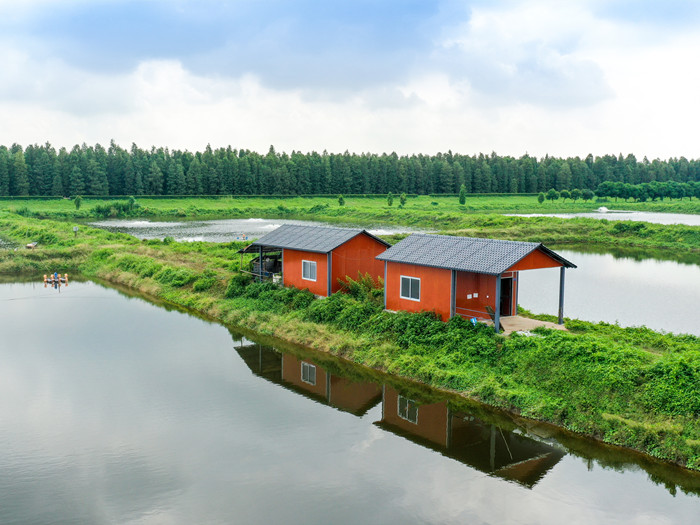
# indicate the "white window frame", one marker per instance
pixel 410 287
pixel 311 264
pixel 308 367
pixel 409 403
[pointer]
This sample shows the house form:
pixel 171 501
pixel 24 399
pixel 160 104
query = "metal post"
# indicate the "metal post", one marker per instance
pixel 385 263
pixel 497 320
pixel 329 270
pixel 260 261
pixel 561 295
pixel 453 294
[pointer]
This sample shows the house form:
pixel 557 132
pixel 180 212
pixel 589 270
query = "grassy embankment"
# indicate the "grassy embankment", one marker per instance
pixel 625 386
pixel 479 217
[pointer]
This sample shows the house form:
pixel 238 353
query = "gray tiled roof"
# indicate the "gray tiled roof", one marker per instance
pixel 489 256
pixel 321 239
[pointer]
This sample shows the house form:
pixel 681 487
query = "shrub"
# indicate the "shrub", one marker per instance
pixel 203 284
pixel 237 285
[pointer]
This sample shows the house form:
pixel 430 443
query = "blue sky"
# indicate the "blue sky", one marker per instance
pixel 537 76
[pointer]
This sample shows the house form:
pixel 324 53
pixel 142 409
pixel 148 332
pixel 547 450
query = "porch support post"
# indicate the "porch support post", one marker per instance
pixel 453 294
pixel 330 273
pixel 561 294
pixel 282 266
pixel 260 265
pixel 497 321
pixel 385 264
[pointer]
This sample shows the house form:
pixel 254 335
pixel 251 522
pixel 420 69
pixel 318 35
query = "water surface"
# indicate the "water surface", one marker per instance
pixel 622 215
pixel 114 410
pixel 663 295
pixel 223 230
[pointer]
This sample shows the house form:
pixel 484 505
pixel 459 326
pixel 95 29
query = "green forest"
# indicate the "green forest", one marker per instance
pixel 93 170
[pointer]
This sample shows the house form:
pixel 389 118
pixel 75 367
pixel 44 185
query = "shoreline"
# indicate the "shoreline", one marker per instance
pixel 197 276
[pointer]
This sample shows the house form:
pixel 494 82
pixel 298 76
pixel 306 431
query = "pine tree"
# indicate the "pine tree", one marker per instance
pixel 462 194
pixel 77 185
pixel 97 179
pixel 57 186
pixel 21 179
pixel 4 173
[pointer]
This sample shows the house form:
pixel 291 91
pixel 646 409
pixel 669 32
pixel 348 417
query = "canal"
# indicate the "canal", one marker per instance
pixel 117 410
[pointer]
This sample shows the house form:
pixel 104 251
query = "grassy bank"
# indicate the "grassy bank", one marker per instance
pixel 626 386
pixel 479 217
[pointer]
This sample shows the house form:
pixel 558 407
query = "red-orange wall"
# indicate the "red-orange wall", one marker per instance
pixel 352 396
pixel 357 256
pixel 435 287
pixel 291 373
pixel 485 286
pixel 534 260
pixel 292 271
pixel 432 419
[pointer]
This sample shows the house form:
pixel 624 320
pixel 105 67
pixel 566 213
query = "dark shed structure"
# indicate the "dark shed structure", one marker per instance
pixel 463 276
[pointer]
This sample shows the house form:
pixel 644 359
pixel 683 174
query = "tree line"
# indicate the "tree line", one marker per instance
pixel 41 170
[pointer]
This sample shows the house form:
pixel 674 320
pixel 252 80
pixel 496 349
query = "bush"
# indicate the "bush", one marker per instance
pixel 203 284
pixel 237 285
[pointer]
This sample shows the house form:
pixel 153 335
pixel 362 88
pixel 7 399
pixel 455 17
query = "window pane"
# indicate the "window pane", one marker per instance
pixel 405 287
pixel 415 288
pixel 312 374
pixel 312 271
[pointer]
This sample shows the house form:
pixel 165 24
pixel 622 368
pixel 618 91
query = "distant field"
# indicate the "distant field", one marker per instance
pixel 226 206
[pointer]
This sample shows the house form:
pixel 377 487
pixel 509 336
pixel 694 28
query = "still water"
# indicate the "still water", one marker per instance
pixel 224 230
pixel 620 215
pixel 114 410
pixel 663 295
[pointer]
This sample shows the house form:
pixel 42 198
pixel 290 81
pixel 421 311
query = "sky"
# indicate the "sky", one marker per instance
pixel 563 78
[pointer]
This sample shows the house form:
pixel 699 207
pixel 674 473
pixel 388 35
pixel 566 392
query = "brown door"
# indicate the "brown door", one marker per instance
pixel 507 296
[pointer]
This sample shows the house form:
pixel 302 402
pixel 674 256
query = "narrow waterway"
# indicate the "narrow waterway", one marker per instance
pixel 115 410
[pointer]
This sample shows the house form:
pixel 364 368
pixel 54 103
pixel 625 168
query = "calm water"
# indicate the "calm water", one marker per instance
pixel 224 230
pixel 620 215
pixel 114 410
pixel 663 295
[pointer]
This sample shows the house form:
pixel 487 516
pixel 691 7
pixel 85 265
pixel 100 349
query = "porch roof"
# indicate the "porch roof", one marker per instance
pixel 488 256
pixel 320 239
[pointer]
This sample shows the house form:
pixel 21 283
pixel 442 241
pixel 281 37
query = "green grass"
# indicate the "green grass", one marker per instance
pixel 625 386
pixel 479 217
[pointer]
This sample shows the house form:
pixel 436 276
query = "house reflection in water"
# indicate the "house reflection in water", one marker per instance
pixel 469 440
pixel 309 379
pixel 457 435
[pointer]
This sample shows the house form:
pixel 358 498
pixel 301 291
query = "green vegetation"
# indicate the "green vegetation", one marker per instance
pixel 626 386
pixel 478 218
pixel 93 170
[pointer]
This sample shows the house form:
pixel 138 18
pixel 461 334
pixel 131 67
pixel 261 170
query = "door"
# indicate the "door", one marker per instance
pixel 506 296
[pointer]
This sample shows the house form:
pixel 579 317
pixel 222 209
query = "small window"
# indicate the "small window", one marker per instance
pixel 308 270
pixel 308 373
pixel 408 409
pixel 410 288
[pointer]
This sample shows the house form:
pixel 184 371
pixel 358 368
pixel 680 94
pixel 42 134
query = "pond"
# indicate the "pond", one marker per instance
pixel 622 215
pixel 116 410
pixel 662 295
pixel 224 230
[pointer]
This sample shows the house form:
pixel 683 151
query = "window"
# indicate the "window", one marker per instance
pixel 410 288
pixel 308 270
pixel 408 410
pixel 308 373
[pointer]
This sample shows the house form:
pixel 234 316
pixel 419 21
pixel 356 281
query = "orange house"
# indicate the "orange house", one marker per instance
pixel 319 257
pixel 463 276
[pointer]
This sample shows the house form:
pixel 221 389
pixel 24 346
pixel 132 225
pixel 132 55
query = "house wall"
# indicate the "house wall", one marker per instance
pixel 291 373
pixel 535 260
pixel 432 419
pixel 469 283
pixel 435 288
pixel 292 271
pixel 357 256
pixel 352 396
